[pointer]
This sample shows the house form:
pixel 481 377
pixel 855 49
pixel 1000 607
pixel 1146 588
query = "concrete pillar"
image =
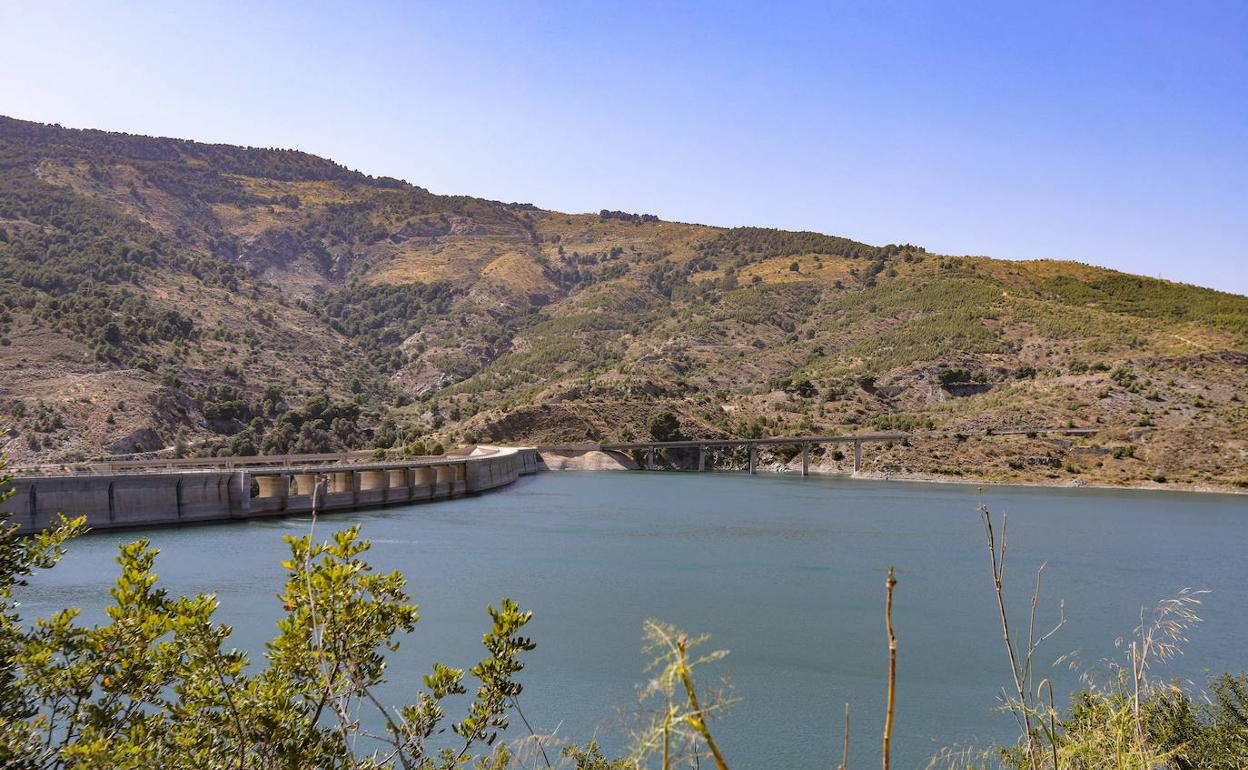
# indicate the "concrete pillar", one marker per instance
pixel 857 456
pixel 701 457
pixel 240 493
pixel 342 481
pixel 305 483
pixel 650 459
pixel 423 475
pixel 445 474
pixel 372 480
pixel 397 477
pixel 805 459
pixel 753 459
pixel 272 486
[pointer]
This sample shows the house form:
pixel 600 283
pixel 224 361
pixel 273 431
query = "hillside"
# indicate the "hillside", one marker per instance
pixel 160 292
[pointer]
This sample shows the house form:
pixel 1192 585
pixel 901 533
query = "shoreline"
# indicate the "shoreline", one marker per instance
pixel 591 461
pixel 931 479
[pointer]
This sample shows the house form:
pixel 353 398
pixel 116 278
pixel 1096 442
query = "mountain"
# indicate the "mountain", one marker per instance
pixel 159 292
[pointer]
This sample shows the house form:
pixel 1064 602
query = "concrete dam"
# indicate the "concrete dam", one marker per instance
pixel 140 494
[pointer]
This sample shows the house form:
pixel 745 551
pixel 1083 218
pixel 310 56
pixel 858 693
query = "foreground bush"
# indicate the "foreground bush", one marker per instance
pixel 1099 731
pixel 1124 719
pixel 156 688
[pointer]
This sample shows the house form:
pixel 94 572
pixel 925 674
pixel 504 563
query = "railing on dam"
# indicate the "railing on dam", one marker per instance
pixel 137 494
pixel 107 467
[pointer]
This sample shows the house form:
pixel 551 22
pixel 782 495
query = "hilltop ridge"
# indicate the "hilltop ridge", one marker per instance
pixel 162 291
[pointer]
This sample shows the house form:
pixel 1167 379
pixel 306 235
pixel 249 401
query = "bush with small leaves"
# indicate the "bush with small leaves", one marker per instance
pixel 156 685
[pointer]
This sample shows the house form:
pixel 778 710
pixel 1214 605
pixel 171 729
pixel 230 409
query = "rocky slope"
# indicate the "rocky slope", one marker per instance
pixel 161 292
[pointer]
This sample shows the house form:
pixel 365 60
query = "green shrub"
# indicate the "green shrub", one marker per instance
pixel 664 427
pixel 155 687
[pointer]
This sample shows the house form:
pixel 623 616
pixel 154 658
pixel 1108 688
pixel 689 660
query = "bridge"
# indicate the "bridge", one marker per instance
pixel 805 442
pixel 135 493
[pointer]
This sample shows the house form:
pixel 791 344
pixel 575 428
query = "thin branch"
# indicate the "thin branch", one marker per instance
pixel 997 560
pixel 516 705
pixel 390 724
pixel 1031 630
pixel 229 700
pixel 667 738
pixel 697 717
pixel 889 584
pixel 320 705
pixel 845 746
pixel 1052 722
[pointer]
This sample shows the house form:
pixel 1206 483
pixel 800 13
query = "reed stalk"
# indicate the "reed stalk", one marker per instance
pixel 845 746
pixel 698 717
pixel 889 584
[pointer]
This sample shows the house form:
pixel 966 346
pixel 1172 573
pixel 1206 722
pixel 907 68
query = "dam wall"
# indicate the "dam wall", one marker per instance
pixel 142 499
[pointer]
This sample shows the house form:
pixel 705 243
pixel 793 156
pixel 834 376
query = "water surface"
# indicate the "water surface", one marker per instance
pixel 787 573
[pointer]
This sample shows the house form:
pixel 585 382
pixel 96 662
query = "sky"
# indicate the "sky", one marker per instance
pixel 1114 133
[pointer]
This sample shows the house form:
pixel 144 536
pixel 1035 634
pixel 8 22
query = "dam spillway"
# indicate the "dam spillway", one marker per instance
pixel 116 497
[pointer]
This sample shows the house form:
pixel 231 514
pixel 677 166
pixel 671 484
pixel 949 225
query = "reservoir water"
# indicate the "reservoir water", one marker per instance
pixel 787 573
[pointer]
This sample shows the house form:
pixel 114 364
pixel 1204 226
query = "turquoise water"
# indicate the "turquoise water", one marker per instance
pixel 787 573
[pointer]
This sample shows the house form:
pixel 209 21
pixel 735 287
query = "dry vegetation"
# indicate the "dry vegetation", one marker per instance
pixel 457 318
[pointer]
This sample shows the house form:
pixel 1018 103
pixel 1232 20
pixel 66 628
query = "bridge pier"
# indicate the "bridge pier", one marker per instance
pixel 650 459
pixel 701 457
pixel 423 476
pixel 342 481
pixel 371 481
pixel 805 459
pixel 753 459
pixel 272 486
pixel 857 456
pixel 305 483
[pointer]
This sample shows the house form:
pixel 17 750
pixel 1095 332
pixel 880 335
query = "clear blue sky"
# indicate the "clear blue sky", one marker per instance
pixel 1108 132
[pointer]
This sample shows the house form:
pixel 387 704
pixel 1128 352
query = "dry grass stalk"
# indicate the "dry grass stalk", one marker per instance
pixel 539 740
pixel 889 584
pixel 681 725
pixel 698 718
pixel 1021 666
pixel 845 746
pixel 1159 639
